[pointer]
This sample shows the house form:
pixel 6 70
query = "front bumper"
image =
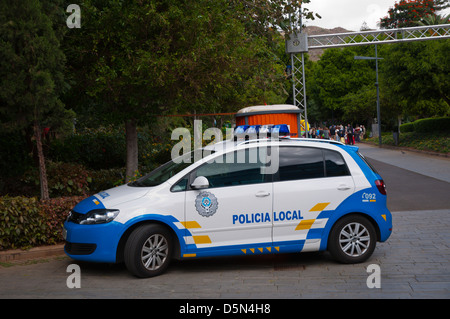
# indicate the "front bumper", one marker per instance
pixel 96 243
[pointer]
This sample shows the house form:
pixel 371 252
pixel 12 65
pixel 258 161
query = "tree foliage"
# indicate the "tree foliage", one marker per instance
pixel 417 77
pixel 413 77
pixel 261 15
pixel 407 13
pixel 340 87
pixel 31 64
pixel 144 57
pixel 138 59
pixel 31 71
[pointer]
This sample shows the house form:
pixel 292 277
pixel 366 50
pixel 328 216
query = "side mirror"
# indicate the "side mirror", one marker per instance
pixel 200 182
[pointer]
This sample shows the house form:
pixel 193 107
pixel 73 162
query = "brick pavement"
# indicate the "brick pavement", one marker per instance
pixel 414 263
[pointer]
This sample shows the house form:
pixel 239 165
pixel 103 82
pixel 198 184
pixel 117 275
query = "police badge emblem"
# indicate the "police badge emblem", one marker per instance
pixel 206 204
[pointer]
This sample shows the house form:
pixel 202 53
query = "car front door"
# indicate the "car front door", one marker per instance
pixel 233 214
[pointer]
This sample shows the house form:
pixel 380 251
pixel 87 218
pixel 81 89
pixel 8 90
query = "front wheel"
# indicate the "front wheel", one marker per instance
pixel 148 250
pixel 352 239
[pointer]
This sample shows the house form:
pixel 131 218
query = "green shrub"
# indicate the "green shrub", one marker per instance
pixel 21 223
pixel 435 142
pixel 64 179
pixel 106 178
pixel 67 179
pixel 407 127
pixel 154 154
pixel 26 222
pixel 54 211
pixel 431 125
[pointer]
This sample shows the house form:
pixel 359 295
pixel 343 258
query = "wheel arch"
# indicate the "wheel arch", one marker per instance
pixel 365 215
pixel 171 228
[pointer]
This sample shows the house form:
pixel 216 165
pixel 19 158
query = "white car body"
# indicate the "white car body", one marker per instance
pixel 272 212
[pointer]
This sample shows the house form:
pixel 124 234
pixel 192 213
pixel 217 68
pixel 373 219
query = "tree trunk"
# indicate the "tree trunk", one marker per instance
pixel 132 149
pixel 42 169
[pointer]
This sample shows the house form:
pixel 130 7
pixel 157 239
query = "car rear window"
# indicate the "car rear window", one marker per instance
pixel 368 163
pixel 335 164
pixel 298 163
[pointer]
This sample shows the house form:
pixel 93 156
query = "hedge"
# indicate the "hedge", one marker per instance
pixel 27 222
pixel 407 127
pixel 429 125
pixel 432 125
pixel 64 180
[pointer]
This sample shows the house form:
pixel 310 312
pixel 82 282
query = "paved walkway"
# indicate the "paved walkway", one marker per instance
pixel 414 263
pixel 430 165
pixel 414 181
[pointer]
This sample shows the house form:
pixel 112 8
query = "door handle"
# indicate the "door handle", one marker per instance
pixel 343 187
pixel 262 194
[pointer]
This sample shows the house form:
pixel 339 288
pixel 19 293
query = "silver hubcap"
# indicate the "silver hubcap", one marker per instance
pixel 354 239
pixel 154 252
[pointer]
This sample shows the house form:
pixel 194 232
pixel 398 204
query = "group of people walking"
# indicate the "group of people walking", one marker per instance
pixel 345 134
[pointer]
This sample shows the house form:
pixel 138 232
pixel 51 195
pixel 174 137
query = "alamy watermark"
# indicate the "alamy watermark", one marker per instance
pixel 265 154
pixel 374 279
pixel 73 20
pixel 74 279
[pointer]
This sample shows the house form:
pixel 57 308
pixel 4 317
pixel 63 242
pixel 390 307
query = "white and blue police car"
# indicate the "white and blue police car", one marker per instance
pixel 247 197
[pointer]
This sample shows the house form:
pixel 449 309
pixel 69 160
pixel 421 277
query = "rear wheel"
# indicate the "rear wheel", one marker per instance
pixel 352 239
pixel 148 250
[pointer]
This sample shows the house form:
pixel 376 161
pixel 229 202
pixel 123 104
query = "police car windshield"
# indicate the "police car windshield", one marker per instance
pixel 164 172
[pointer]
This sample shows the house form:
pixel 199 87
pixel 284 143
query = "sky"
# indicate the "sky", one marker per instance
pixel 349 14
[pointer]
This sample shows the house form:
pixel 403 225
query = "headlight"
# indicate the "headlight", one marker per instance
pixel 98 216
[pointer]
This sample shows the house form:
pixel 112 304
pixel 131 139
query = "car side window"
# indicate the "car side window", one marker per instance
pixel 181 185
pixel 300 163
pixel 335 164
pixel 241 167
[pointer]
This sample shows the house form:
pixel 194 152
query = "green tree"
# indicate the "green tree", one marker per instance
pixel 406 13
pixel 340 87
pixel 259 16
pixel 434 19
pixel 417 77
pixel 31 70
pixel 138 59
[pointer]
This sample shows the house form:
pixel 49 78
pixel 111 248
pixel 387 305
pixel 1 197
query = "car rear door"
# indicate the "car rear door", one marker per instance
pixel 309 181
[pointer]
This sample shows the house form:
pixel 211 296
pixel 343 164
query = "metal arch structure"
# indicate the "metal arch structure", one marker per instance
pixel 431 32
pixel 297 44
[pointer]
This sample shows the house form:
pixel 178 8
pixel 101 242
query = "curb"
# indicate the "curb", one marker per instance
pixel 32 253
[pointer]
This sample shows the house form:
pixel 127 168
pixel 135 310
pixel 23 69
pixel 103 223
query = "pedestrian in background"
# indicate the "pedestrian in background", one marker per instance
pixel 357 133
pixel 326 133
pixel 350 135
pixel 333 132
pixel 363 132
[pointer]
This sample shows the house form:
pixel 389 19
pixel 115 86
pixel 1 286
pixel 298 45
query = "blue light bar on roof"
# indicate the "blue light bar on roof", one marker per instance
pixel 253 129
pixel 265 128
pixel 240 129
pixel 280 129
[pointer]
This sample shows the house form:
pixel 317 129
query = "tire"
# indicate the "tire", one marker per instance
pixel 148 250
pixel 352 239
